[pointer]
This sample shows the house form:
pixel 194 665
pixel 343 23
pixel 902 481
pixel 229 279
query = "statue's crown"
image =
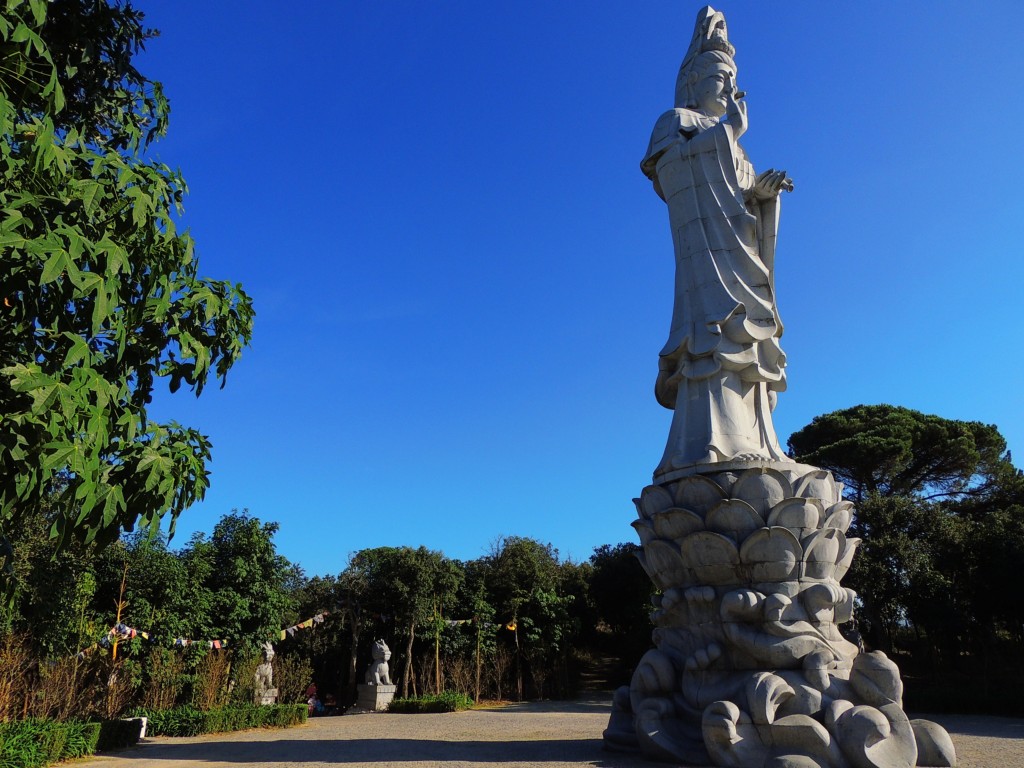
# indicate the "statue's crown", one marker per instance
pixel 709 34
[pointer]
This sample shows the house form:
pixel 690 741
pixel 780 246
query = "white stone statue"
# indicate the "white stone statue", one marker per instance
pixel 378 672
pixel 746 547
pixel 265 692
pixel 722 365
pixel 378 690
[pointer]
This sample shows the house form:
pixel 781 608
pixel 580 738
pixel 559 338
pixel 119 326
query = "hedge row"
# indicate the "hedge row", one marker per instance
pixel 37 743
pixel 189 721
pixel 444 702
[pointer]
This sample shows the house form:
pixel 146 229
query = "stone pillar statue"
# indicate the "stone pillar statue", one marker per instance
pixel 747 547
pixel 265 692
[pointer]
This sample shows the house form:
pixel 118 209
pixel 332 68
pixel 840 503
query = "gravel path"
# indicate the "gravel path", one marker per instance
pixel 548 734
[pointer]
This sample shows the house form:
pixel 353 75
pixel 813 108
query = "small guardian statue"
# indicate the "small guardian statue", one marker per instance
pixel 378 673
pixel 266 693
pixel 378 690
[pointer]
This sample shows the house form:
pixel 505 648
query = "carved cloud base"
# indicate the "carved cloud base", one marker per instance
pixel 750 668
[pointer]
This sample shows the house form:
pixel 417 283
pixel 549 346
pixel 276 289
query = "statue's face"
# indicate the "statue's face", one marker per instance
pixel 710 91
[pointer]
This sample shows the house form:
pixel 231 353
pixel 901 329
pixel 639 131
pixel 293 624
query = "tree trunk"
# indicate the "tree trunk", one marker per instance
pixel 407 672
pixel 476 695
pixel 519 663
pixel 437 654
pixel 353 656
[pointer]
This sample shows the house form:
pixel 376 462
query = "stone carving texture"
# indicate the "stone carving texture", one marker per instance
pixel 747 548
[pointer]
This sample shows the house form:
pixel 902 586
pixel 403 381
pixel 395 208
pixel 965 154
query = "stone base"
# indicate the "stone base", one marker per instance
pixel 375 698
pixel 750 667
pixel 267 697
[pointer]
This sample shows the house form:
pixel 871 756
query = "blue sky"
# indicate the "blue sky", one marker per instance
pixel 462 279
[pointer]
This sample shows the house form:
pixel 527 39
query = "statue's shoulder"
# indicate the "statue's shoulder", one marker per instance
pixel 675 125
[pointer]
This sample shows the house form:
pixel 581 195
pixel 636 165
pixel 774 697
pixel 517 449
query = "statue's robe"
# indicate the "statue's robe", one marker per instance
pixel 722 358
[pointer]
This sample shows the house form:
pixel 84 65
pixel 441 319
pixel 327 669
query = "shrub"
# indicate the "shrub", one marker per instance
pixel 166 678
pixel 178 721
pixel 189 721
pixel 292 676
pixel 15 664
pixel 243 679
pixel 36 743
pixel 448 701
pixel 211 682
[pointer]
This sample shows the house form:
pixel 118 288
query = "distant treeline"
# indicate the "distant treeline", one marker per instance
pixel 940 510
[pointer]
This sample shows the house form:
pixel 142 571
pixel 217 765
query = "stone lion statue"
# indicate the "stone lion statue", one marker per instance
pixel 378 673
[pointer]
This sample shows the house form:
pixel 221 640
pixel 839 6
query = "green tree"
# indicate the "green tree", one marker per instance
pixel 246 579
pixel 894 451
pixel 474 598
pixel 937 503
pixel 523 581
pixel 54 595
pixel 621 592
pixel 99 291
pixel 327 647
pixel 159 594
pixel 411 585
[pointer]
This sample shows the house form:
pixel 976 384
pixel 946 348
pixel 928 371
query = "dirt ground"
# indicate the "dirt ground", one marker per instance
pixel 548 734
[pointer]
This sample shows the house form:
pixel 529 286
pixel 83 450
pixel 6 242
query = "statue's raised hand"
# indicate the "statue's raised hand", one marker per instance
pixel 735 110
pixel 770 183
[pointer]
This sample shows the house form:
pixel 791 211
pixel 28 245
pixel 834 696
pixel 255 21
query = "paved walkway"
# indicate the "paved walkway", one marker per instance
pixel 547 734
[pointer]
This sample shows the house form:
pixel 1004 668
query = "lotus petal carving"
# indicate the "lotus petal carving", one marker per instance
pixel 803 515
pixel 663 564
pixel 772 554
pixel 846 557
pixel 676 523
pixel 698 493
pixel 821 553
pixel 734 518
pixel 844 607
pixel 763 488
pixel 654 499
pixel 645 531
pixel 839 515
pixel 711 558
pixel 816 485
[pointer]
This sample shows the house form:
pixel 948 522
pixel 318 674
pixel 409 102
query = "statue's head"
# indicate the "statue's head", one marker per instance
pixel 268 652
pixel 701 84
pixel 381 652
pixel 708 59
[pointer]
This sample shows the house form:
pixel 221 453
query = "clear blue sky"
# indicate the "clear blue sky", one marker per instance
pixel 462 279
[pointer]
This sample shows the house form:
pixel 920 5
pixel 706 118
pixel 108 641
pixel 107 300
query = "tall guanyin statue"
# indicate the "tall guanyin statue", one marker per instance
pixel 746 547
